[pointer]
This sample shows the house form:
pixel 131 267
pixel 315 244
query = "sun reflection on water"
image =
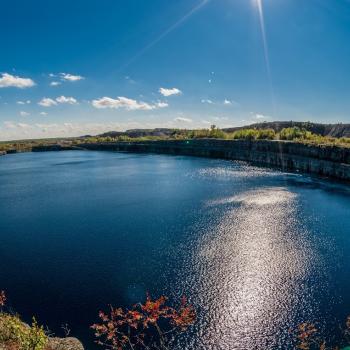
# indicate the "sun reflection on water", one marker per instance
pixel 248 271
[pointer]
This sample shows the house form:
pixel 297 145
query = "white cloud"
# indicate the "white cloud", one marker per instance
pixel 47 102
pixel 261 116
pixel 227 102
pixel 55 83
pixel 162 104
pixel 126 103
pixel 70 77
pixel 169 92
pixel 43 113
pixel 207 101
pixel 183 120
pixel 24 114
pixel 9 80
pixel 23 102
pixel 64 99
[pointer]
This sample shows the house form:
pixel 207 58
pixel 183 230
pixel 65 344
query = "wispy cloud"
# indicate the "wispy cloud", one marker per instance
pixel 23 102
pixel 70 77
pixel 169 92
pixel 261 116
pixel 183 120
pixel 47 102
pixel 207 101
pixel 68 100
pixel 126 103
pixel 162 104
pixel 14 125
pixel 8 80
pixel 24 114
pixel 55 83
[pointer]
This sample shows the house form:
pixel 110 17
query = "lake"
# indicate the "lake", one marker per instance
pixel 257 251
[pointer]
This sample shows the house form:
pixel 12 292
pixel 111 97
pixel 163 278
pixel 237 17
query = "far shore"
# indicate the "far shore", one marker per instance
pixel 331 161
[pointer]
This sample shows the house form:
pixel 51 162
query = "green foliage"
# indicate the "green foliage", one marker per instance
pixel 13 331
pixel 295 133
pixel 266 134
pixel 304 136
pixel 253 134
pixel 212 133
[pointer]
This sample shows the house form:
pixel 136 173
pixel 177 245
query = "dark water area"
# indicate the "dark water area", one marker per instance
pixel 256 251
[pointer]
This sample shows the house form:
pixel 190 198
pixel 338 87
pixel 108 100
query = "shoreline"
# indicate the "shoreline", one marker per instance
pixel 323 160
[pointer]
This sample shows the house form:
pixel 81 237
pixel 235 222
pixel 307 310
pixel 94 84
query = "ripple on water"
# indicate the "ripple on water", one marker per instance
pixel 248 272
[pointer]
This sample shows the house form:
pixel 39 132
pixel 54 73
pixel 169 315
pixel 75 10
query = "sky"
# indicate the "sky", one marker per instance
pixel 70 68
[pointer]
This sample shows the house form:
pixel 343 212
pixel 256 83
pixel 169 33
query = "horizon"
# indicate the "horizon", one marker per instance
pixel 71 69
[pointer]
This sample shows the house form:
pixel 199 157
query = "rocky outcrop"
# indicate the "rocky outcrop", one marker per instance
pixel 324 160
pixel 55 344
pixel 2 153
pixel 65 344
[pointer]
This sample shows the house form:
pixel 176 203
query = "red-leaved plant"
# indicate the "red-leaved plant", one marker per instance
pixel 145 326
pixel 2 298
pixel 309 339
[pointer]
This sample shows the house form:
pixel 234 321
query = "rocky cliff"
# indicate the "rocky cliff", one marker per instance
pixel 329 161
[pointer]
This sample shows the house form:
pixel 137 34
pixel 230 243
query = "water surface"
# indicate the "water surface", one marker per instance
pixel 257 251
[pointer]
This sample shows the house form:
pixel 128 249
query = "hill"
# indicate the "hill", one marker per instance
pixel 331 130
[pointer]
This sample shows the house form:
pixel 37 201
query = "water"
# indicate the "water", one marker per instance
pixel 256 251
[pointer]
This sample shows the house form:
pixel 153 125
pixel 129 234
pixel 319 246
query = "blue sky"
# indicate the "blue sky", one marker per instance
pixel 83 67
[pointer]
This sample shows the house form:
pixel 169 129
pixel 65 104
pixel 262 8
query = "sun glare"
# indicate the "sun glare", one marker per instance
pixel 259 5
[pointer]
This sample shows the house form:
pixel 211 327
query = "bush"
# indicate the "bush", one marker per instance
pixel 295 133
pixel 266 134
pixel 151 325
pixel 15 333
pixel 253 134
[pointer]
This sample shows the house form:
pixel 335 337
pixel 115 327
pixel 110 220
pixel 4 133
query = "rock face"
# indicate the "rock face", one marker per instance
pixel 53 148
pixel 328 161
pixel 65 344
pixel 58 344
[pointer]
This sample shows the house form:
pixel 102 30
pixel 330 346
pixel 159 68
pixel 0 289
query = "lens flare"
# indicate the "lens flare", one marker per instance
pixel 259 5
pixel 165 33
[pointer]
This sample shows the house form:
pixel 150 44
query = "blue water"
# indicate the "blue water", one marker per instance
pixel 257 251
